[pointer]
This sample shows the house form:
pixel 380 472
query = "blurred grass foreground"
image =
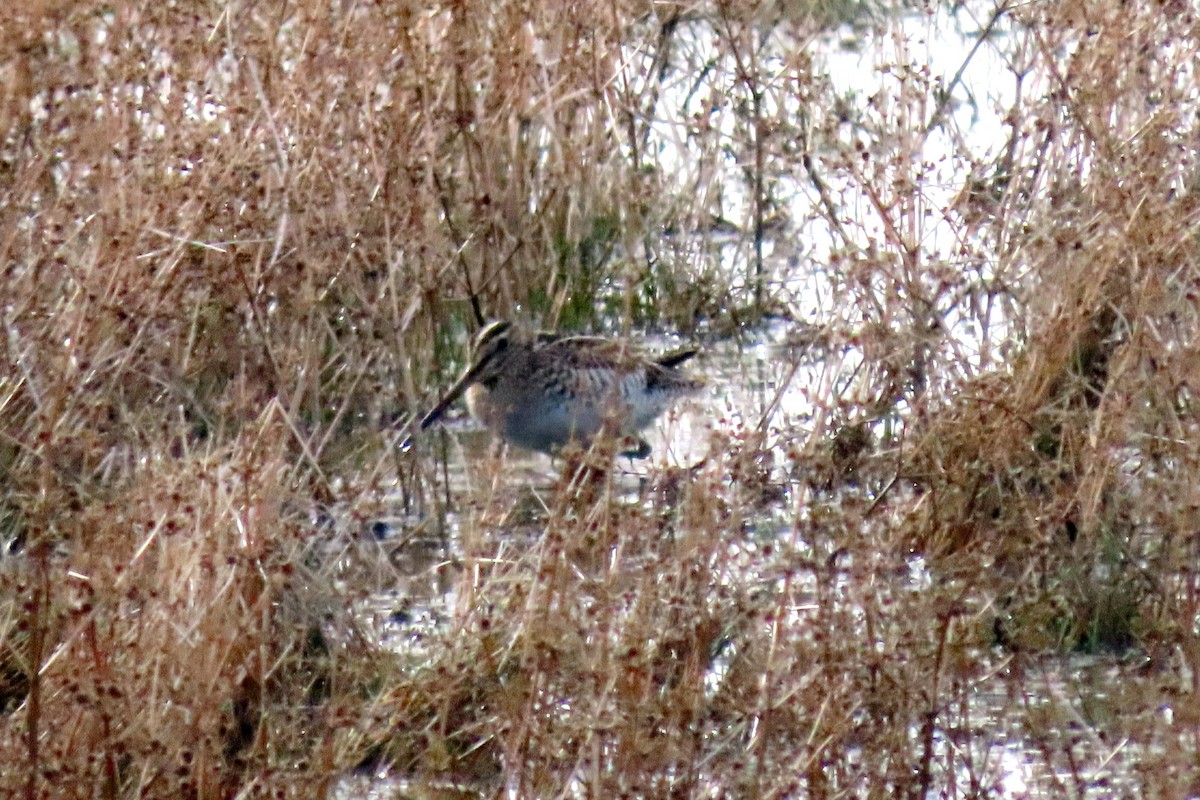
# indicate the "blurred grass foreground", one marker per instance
pixel 243 243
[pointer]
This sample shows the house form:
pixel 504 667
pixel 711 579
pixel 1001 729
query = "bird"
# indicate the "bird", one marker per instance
pixel 543 391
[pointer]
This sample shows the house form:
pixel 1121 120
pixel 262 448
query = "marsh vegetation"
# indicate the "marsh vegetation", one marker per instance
pixel 932 533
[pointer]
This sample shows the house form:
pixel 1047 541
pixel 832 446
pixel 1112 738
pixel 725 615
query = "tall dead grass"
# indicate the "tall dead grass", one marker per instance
pixel 240 243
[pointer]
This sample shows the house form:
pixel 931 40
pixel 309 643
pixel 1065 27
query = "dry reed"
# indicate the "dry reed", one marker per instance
pixel 242 243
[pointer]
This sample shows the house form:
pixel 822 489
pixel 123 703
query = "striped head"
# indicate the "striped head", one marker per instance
pixel 493 345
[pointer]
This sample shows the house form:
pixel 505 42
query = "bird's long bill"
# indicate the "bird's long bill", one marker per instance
pixel 452 394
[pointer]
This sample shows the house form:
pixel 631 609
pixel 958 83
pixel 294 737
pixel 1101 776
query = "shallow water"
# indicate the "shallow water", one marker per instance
pixel 991 735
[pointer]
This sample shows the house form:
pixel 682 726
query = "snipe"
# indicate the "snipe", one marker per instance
pixel 541 391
